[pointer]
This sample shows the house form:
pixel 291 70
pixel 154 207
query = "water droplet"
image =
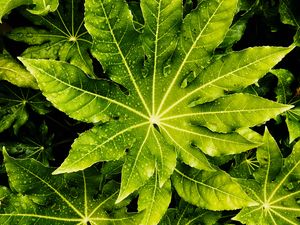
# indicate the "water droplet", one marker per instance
pixel 167 70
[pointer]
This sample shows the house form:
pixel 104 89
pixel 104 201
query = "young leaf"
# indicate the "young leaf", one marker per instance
pixel 276 188
pixel 72 199
pixel 14 73
pixel 63 37
pixel 210 190
pixel 161 80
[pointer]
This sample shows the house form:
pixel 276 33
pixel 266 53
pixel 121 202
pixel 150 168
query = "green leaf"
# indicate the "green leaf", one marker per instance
pixel 188 214
pixel 158 79
pixel 210 190
pixel 244 166
pixel 154 200
pixel 14 105
pixel 276 187
pixel 42 7
pixel 269 158
pixel 63 37
pixel 136 11
pixel 72 199
pixel 37 144
pixel 293 128
pixel 14 73
pixel 293 122
pixel 8 5
pixel 283 89
pixel 231 112
pixel 288 12
pixel 237 29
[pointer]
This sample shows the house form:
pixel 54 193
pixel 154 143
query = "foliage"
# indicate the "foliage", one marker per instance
pixel 168 103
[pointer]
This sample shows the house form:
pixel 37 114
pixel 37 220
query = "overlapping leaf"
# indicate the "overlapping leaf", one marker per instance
pixel 60 35
pixel 41 7
pixel 15 103
pixel 167 95
pixel 276 187
pixel 72 199
pixel 14 73
pixel 37 144
pixel 188 214
pixel 211 190
pixel 154 200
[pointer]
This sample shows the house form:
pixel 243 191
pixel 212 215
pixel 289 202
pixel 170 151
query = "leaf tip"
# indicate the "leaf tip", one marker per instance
pixel 124 193
pixel 4 152
pixel 58 171
pixel 120 198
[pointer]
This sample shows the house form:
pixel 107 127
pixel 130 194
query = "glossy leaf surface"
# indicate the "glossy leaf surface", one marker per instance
pixel 166 96
pixel 276 187
pixel 45 199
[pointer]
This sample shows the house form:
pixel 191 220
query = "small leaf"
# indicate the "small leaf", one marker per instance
pixel 269 158
pixel 60 35
pixel 14 73
pixel 188 214
pixel 283 89
pixel 293 128
pixel 37 144
pixel 288 12
pixel 14 105
pixel 237 29
pixel 42 7
pixel 210 190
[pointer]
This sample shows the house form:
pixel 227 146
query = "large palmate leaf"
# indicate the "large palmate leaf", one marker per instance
pixel 60 35
pixel 72 199
pixel 276 187
pixel 167 97
pixel 41 7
